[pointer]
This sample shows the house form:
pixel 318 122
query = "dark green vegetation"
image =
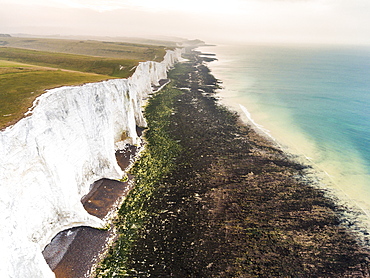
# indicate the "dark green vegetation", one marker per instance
pixel 154 163
pixel 232 205
pixel 29 66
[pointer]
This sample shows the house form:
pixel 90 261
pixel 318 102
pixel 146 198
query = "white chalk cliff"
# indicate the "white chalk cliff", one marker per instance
pixel 49 159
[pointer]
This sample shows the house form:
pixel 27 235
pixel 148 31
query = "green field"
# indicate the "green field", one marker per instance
pixel 121 50
pixel 30 66
pixel 92 64
pixel 21 84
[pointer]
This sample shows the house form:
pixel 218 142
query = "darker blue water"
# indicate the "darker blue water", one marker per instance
pixel 325 90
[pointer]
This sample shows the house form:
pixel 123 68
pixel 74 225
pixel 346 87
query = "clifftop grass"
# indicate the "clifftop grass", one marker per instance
pixel 121 68
pixel 30 66
pixel 21 85
pixel 121 50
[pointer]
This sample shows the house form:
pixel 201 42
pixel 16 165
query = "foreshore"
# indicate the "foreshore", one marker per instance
pixel 235 205
pixel 75 252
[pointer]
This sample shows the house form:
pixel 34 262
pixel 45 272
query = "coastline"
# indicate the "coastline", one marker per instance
pixel 356 215
pixel 53 155
pixel 326 172
pixel 235 204
pixel 77 252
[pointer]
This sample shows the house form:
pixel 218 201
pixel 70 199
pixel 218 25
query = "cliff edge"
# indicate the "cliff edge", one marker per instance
pixel 50 158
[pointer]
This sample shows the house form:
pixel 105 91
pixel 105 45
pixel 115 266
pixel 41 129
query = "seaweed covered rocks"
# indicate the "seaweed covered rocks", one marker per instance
pixel 232 204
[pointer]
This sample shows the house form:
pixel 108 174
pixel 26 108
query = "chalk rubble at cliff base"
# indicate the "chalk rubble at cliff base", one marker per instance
pixel 50 158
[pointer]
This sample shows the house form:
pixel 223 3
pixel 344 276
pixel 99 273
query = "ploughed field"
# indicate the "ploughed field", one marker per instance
pixel 215 199
pixel 29 66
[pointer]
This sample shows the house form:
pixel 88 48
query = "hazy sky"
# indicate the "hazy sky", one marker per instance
pixel 328 21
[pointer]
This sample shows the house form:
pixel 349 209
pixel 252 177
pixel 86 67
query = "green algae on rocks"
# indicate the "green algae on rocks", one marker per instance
pixel 154 163
pixel 226 202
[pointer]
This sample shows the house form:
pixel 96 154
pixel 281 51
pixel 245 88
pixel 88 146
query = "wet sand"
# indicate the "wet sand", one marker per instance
pixel 83 244
pixel 105 197
pixel 74 252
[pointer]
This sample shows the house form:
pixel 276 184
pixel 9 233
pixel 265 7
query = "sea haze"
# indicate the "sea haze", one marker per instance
pixel 313 100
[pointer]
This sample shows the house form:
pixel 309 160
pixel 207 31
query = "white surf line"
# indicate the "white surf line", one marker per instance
pixel 310 161
pixel 258 126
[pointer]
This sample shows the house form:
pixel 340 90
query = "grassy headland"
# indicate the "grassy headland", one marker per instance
pixel 90 64
pixel 230 205
pixel 29 66
pixel 22 83
pixel 121 50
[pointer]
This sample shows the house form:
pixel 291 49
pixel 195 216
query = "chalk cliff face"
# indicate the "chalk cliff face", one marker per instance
pixel 49 159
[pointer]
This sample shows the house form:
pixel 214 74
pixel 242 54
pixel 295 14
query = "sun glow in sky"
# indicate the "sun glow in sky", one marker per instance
pixel 300 21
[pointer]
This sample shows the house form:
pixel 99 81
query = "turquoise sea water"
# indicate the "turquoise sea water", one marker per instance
pixel 313 100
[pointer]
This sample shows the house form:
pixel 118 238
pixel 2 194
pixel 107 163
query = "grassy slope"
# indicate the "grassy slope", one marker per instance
pixel 91 64
pixel 89 47
pixel 29 66
pixel 21 85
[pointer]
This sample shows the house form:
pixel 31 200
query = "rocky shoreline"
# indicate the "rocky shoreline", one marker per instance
pixel 235 205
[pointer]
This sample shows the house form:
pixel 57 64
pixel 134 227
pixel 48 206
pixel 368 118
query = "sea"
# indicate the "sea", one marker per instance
pixel 313 101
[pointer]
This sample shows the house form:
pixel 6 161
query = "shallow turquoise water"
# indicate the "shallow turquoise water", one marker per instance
pixel 314 100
